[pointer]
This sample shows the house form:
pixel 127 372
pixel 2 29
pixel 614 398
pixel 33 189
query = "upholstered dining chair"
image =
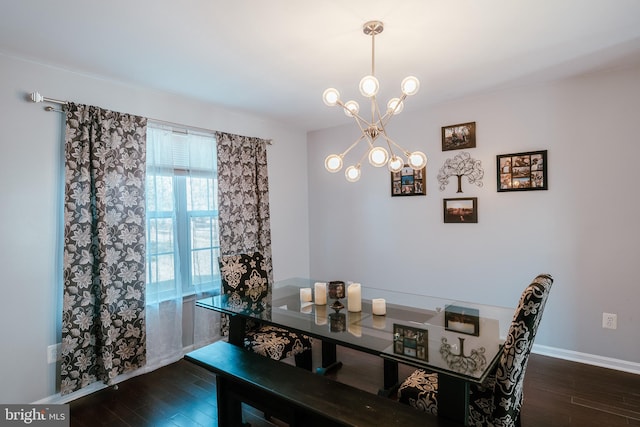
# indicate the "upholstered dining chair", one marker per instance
pixel 498 400
pixel 246 282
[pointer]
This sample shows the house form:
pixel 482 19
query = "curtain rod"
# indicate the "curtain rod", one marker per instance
pixel 36 97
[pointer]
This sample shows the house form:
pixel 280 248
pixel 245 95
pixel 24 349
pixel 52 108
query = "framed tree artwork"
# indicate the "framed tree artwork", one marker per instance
pixel 522 171
pixel 409 182
pixel 461 165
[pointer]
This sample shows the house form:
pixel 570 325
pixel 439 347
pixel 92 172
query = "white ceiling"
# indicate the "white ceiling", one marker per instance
pixel 275 57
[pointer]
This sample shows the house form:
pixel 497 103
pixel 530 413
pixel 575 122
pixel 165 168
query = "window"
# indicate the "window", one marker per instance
pixel 182 215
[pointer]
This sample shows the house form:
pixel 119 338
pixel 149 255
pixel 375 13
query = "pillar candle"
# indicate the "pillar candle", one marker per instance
pixel 305 294
pixel 379 322
pixel 379 306
pixel 305 307
pixel 320 293
pixel 354 297
pixel 466 328
pixel 354 323
pixel 321 315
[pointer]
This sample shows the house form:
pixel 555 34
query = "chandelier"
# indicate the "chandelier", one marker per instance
pixel 374 129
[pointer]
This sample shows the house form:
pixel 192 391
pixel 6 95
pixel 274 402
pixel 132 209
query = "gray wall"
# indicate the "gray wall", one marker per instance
pixel 31 192
pixel 584 230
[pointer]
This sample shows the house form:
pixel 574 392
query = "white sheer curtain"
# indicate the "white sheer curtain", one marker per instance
pixel 182 241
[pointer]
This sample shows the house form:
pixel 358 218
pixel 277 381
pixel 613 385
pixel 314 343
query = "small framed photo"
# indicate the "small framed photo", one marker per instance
pixel 462 319
pixel 411 342
pixel 409 182
pixel 461 210
pixel 522 171
pixel 457 137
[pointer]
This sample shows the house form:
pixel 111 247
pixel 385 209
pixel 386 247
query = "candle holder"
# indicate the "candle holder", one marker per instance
pixel 337 322
pixel 336 292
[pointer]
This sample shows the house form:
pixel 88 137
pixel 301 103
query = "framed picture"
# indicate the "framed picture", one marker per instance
pixel 457 137
pixel 522 171
pixel 463 209
pixel 462 319
pixel 409 182
pixel 411 342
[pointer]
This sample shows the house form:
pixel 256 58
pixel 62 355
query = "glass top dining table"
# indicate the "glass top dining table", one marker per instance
pixel 459 340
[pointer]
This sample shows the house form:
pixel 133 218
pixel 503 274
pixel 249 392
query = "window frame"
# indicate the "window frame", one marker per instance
pixel 181 228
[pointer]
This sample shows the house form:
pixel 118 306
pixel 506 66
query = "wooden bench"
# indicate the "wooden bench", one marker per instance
pixel 296 396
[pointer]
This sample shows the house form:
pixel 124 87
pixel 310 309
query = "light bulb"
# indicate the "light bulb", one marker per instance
pixel 352 173
pixel 351 108
pixel 378 156
pixel 410 85
pixel 369 86
pixel 417 160
pixel 333 163
pixel 395 105
pixel 395 164
pixel 331 97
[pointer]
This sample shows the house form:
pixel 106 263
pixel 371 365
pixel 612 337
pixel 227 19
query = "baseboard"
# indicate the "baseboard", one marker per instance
pixel 58 399
pixel 589 359
pixel 574 356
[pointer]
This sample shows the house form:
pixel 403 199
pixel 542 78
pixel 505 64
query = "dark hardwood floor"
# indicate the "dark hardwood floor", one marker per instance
pixel 557 393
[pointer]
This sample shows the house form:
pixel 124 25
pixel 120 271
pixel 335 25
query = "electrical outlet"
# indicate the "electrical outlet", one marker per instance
pixel 53 353
pixel 609 321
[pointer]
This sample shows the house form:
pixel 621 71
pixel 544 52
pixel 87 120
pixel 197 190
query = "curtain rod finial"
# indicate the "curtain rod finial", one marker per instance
pixel 36 97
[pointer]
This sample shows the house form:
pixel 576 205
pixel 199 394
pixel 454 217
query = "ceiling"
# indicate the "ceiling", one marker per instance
pixel 275 58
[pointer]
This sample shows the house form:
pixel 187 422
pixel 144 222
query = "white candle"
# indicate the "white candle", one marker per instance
pixel 321 315
pixel 467 328
pixel 379 306
pixel 354 325
pixel 320 293
pixel 305 294
pixel 379 322
pixel 354 297
pixel 305 307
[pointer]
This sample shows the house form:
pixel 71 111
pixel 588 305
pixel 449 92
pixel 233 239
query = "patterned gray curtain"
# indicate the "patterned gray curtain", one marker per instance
pixel 103 319
pixel 243 201
pixel 243 196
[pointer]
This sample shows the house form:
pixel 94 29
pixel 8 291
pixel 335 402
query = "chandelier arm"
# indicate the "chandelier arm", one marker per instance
pixel 374 109
pixel 382 125
pixel 387 117
pixel 380 119
pixel 352 145
pixel 391 141
pixel 364 132
pixel 362 158
pixel 359 121
pixel 356 116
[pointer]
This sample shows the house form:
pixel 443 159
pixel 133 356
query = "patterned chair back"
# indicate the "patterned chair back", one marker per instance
pixel 509 377
pixel 245 281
